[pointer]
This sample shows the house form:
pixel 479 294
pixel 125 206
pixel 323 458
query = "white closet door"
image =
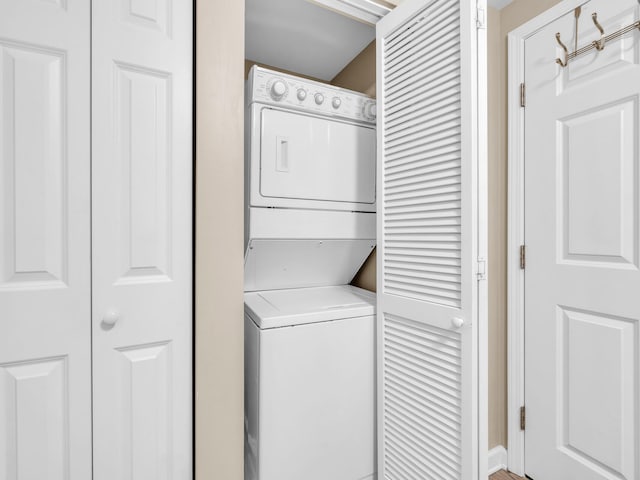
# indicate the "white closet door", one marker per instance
pixel 582 311
pixel 45 329
pixel 141 191
pixel 428 232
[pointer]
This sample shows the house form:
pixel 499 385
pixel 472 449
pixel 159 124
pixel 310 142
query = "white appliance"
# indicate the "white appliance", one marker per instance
pixel 309 226
pixel 309 384
pixel 310 182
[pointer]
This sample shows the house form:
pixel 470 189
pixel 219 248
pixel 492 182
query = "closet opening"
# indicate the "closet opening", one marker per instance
pixel 365 136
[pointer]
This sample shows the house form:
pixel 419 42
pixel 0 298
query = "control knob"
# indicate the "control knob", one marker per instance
pixel 370 110
pixel 319 98
pixel 302 94
pixel 278 90
pixel 336 102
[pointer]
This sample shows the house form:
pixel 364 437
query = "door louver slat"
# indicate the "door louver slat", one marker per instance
pixel 438 450
pixel 440 408
pixel 396 41
pixel 423 158
pixel 437 37
pixel 417 109
pixel 446 116
pixel 416 220
pixel 438 131
pixel 422 400
pixel 443 174
pixel 417 75
pixel 404 341
pixel 410 81
pixel 439 85
pixel 410 170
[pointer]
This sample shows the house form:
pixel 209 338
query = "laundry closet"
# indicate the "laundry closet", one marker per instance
pixel 343 382
pixel 95 240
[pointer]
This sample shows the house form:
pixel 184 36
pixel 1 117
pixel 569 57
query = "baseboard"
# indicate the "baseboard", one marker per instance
pixel 497 459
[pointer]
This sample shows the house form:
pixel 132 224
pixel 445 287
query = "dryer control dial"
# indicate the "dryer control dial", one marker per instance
pixel 319 98
pixel 369 110
pixel 336 102
pixel 278 89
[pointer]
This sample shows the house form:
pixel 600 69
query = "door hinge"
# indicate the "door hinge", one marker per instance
pixel 523 257
pixel 481 18
pixel 523 418
pixel 523 95
pixel 482 269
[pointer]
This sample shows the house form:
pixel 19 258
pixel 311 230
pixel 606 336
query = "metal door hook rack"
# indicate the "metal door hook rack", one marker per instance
pixel 597 44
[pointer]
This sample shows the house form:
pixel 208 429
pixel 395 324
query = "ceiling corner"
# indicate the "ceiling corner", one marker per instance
pixel 499 4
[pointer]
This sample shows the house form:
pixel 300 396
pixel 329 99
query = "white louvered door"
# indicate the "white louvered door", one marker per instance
pixel 429 55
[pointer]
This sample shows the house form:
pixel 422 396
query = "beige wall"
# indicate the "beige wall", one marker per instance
pixel 497 243
pixel 520 12
pixel 360 75
pixel 500 24
pixel 219 240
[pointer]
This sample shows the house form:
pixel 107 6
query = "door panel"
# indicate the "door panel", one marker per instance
pixel 45 329
pixel 141 192
pixel 144 132
pixel 582 278
pixel 305 157
pixel 599 211
pixel 145 393
pixel 34 439
pixel 583 409
pixel 428 239
pixel 34 166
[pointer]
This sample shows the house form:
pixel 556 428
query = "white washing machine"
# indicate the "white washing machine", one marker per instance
pixel 309 226
pixel 309 384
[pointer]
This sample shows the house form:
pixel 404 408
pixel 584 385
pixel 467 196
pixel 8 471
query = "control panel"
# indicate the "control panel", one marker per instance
pixel 270 87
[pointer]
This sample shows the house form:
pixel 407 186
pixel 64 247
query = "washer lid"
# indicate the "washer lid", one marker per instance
pixel 281 308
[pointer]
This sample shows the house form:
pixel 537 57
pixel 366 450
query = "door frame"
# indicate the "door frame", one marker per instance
pixel 515 228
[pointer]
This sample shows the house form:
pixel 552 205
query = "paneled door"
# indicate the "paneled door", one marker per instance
pixel 141 237
pixel 582 214
pixel 429 161
pixel 45 329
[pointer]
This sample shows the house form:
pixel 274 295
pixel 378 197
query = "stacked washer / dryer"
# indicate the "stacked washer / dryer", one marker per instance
pixel 309 335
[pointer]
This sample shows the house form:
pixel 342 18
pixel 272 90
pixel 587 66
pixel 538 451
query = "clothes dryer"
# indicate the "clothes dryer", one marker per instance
pixel 309 182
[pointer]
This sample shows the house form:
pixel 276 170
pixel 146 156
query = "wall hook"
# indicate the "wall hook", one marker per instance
pixel 566 52
pixel 599 44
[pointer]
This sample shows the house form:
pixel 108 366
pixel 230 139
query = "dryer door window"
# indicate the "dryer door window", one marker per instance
pixel 310 158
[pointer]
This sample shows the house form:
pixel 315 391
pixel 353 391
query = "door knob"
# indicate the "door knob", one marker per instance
pixel 457 322
pixel 111 318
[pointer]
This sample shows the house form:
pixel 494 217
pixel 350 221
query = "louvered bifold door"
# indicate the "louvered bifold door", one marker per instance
pixel 427 221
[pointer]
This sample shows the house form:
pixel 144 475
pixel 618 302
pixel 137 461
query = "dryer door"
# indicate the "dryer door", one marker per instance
pixel 312 162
